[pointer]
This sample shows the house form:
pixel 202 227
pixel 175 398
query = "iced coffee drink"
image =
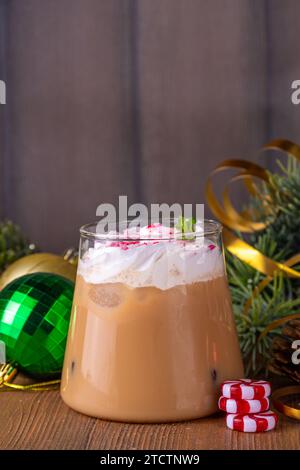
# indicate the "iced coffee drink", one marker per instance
pixel 152 334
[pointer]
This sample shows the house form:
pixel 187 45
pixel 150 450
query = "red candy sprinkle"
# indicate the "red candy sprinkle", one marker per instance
pixel 124 244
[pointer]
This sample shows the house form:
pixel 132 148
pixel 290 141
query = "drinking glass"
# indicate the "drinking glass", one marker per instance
pixel 152 334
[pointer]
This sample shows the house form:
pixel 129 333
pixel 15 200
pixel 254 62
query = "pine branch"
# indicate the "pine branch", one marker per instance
pixel 13 244
pixel 279 205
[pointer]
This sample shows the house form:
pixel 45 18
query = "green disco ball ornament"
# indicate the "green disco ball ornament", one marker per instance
pixel 34 320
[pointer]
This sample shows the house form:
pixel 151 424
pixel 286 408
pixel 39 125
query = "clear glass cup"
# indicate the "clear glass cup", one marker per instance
pixel 152 334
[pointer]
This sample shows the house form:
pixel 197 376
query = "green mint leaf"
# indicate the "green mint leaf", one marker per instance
pixel 186 225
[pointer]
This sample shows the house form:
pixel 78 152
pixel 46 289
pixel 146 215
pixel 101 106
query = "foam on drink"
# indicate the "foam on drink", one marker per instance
pixel 160 262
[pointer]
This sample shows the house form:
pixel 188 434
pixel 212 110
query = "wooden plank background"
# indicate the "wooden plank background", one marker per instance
pixel 136 97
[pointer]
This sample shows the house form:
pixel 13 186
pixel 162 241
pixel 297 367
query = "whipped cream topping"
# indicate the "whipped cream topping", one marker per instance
pixel 153 255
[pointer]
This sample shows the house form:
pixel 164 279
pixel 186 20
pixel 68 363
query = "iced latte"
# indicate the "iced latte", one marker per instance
pixel 152 333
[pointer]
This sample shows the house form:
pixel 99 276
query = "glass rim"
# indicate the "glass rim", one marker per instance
pixel 213 228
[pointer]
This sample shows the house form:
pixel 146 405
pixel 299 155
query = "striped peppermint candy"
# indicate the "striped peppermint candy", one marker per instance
pixel 246 389
pixel 259 422
pixel 231 405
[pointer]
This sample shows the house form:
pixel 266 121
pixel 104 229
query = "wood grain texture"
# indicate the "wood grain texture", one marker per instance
pixel 284 68
pixel 136 97
pixel 31 420
pixel 68 114
pixel 202 82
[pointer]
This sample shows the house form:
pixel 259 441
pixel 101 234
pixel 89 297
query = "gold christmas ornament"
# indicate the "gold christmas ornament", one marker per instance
pixel 39 263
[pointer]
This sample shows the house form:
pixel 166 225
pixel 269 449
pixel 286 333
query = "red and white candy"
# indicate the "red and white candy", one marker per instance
pixel 231 405
pixel 260 422
pixel 246 389
pixel 247 404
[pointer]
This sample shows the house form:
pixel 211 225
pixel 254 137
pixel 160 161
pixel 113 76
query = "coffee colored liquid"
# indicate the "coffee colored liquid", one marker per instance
pixel 150 355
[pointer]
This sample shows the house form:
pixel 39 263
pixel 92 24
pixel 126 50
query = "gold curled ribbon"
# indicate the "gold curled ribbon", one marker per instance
pixel 235 221
pixel 227 214
pixel 256 259
pixel 8 372
pixel 276 323
pixel 242 222
pixel 35 387
pixel 287 410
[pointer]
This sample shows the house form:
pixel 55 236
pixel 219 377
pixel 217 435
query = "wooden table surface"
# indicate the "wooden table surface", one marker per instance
pixel 40 420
